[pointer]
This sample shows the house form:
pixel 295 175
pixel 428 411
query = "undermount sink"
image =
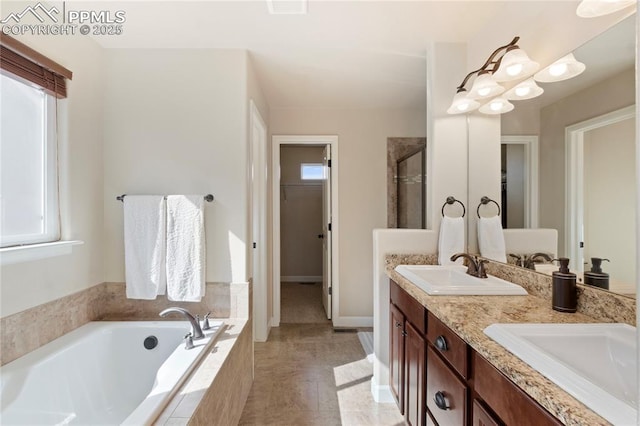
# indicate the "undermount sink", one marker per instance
pixel 595 363
pixel 449 280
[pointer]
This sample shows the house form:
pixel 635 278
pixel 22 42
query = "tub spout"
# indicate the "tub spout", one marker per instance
pixel 196 331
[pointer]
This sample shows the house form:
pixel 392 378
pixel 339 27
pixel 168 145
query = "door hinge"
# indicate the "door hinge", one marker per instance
pixel 330 291
pixel 329 227
pixel 255 245
pixel 328 163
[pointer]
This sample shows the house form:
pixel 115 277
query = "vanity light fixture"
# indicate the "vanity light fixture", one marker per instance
pixel 462 104
pixel 485 86
pixel 595 8
pixel 506 63
pixel 528 89
pixel 496 106
pixel 515 64
pixel 562 69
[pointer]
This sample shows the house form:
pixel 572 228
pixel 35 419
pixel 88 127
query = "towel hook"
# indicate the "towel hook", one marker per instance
pixel 484 201
pixel 451 200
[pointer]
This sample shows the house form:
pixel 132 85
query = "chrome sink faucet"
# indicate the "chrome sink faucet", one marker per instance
pixel 196 331
pixel 475 266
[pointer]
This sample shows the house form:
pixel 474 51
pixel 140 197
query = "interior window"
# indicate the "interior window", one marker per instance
pixel 311 171
pixel 28 164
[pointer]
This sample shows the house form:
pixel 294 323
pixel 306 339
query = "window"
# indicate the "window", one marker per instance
pixel 312 171
pixel 28 164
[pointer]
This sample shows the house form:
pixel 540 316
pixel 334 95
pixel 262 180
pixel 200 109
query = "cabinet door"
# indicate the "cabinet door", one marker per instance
pixel 396 355
pixel 415 361
pixel 506 400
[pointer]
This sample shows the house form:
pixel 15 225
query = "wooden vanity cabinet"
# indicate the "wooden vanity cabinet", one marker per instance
pixel 407 355
pixel 510 403
pixel 437 379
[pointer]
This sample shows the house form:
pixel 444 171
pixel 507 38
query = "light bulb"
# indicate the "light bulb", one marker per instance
pixel 523 91
pixel 463 107
pixel 557 69
pixel 514 69
pixel 495 106
pixel 484 91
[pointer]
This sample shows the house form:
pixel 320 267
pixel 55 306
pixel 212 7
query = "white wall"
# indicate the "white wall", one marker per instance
pixel 609 198
pixel 175 123
pixel 447 153
pixel 29 284
pixel 484 171
pixel 606 96
pixel 363 172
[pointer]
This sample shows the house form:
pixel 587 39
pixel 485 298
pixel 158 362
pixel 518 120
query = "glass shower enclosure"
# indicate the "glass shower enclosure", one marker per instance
pixel 411 189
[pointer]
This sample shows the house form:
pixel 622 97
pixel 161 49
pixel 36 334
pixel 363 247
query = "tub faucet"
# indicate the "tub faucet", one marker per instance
pixel 196 331
pixel 475 266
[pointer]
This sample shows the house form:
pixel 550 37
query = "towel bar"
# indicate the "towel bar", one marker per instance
pixel 208 198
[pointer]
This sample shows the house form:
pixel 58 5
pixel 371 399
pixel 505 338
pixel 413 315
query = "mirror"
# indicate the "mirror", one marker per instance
pixel 584 129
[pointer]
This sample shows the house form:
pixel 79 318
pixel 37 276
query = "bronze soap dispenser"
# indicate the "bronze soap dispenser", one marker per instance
pixel 564 291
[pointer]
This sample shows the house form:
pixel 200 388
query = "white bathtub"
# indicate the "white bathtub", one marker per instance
pixel 101 374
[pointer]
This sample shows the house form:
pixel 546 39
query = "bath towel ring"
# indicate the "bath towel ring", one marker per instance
pixel 451 200
pixel 484 201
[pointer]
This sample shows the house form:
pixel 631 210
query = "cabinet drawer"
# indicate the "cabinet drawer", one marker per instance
pixel 448 344
pixel 508 401
pixel 443 385
pixel 481 417
pixel 412 309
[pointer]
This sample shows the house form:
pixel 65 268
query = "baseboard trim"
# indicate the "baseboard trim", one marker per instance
pixel 301 279
pixel 381 394
pixel 352 321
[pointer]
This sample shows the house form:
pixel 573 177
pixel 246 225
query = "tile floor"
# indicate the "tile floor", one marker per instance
pixel 302 303
pixel 307 374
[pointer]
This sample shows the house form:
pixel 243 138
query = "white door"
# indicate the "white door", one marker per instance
pixel 258 251
pixel 326 231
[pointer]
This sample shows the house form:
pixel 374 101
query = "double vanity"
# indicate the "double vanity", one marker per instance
pixel 491 351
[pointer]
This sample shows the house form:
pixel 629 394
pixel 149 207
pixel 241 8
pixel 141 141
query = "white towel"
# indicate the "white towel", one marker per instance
pixel 144 245
pixel 451 240
pixel 491 239
pixel 185 248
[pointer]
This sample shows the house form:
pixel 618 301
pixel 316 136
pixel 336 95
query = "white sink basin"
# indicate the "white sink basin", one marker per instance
pixel 596 363
pixel 453 280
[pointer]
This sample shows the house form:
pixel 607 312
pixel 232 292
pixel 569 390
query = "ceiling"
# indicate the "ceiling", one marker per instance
pixel 341 54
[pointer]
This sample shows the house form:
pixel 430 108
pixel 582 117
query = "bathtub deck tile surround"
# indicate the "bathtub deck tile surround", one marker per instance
pixel 216 391
pixel 47 322
pixel 106 301
pixel 468 316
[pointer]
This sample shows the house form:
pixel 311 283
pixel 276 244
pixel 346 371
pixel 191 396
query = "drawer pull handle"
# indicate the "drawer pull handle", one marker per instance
pixel 398 325
pixel 404 333
pixel 441 343
pixel 441 401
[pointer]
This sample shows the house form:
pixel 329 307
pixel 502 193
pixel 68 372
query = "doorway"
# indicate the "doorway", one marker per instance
pixel 304 199
pixel 519 181
pixel 600 219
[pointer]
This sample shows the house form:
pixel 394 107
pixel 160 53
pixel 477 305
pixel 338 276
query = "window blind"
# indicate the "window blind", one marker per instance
pixel 24 62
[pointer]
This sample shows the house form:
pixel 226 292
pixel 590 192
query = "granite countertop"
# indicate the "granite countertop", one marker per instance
pixel 468 316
